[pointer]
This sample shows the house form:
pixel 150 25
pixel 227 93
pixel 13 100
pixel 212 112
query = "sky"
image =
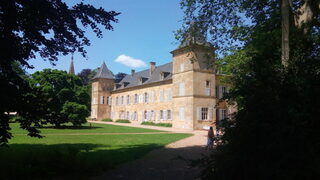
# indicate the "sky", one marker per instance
pixel 144 33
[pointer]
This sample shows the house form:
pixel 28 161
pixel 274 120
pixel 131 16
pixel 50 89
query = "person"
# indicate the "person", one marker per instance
pixel 210 138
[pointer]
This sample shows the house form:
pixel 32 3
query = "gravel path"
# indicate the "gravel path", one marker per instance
pixel 170 162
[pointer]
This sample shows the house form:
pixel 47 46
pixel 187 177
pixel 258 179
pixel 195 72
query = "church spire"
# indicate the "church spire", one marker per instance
pixel 71 68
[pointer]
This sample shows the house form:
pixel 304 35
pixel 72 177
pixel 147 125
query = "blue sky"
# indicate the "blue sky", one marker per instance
pixel 144 32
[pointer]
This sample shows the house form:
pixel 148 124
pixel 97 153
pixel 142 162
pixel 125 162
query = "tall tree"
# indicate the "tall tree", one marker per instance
pixel 84 76
pixel 48 28
pixel 275 133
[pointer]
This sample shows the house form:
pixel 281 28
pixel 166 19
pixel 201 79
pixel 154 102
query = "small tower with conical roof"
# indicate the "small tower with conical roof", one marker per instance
pixel 102 85
pixel 71 68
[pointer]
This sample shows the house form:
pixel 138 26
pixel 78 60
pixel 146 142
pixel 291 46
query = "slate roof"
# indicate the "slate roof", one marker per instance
pixel 104 72
pixel 131 81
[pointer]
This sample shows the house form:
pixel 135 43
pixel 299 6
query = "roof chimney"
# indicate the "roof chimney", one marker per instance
pixel 152 67
pixel 132 72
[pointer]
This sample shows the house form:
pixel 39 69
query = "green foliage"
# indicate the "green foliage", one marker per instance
pixel 61 98
pixel 75 113
pixel 45 28
pixel 275 133
pixel 78 152
pixel 157 124
pixel 107 120
pixel 123 121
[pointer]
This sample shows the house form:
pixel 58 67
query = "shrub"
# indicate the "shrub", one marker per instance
pixel 123 121
pixel 107 120
pixel 75 113
pixel 157 124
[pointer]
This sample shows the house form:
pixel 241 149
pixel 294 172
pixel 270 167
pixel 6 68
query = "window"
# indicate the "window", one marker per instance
pixel 181 67
pixel 152 96
pixel 181 113
pixel 181 89
pixel 162 76
pixel 101 99
pixel 122 100
pixel 208 93
pixel 145 115
pixel 145 98
pixel 128 115
pixel 169 95
pixel 136 97
pixel 161 95
pixel 135 116
pixel 204 114
pixel 112 115
pixel 161 115
pixel 169 114
pixel 94 101
pixel 222 91
pixel 128 99
pixel 222 114
pixel 122 115
pixel 109 100
pixel 117 100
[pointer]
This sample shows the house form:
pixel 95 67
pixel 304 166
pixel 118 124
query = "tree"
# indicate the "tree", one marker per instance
pixel 120 76
pixel 47 28
pixel 75 113
pixel 57 92
pixel 275 133
pixel 84 76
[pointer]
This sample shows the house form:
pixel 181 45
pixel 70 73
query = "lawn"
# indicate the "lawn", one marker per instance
pixel 76 153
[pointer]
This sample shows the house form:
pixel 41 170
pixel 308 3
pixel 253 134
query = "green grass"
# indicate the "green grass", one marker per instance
pixel 157 124
pixel 76 153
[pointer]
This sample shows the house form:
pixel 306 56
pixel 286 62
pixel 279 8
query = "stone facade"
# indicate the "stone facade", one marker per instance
pixel 185 92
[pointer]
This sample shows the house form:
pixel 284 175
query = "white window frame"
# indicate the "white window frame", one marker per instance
pixel 128 99
pixel 161 115
pixel 161 95
pixel 101 99
pixel 169 114
pixel 136 98
pixel 208 88
pixel 145 97
pixel 169 97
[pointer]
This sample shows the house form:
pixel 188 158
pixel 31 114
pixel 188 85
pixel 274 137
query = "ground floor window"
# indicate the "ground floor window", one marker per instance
pixel 145 115
pixel 168 114
pixel 204 114
pixel 122 115
pixel 161 115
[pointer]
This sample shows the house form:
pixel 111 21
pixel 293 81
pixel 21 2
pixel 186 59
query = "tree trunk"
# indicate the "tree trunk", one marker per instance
pixel 285 10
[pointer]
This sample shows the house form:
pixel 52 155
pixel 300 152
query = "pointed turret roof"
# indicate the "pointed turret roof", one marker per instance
pixel 71 68
pixel 104 72
pixel 194 36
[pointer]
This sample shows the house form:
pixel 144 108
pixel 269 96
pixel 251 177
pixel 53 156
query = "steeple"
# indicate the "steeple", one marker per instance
pixel 104 72
pixel 71 68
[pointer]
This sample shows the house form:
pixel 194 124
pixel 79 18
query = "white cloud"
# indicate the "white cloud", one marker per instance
pixel 130 61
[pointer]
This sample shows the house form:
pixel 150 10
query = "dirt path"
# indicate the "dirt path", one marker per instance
pixel 171 162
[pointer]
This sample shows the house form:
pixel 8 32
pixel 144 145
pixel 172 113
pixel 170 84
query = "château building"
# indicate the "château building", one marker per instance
pixel 184 92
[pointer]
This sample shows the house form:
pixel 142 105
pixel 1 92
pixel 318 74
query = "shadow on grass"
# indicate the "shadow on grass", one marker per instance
pixel 64 161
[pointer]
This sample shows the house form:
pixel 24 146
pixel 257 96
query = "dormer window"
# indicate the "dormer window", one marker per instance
pixel 122 85
pixel 140 80
pixel 161 76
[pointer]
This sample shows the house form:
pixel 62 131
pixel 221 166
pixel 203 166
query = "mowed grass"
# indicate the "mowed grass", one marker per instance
pixel 76 153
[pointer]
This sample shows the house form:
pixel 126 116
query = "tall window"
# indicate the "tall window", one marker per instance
pixel 101 99
pixel 151 115
pixel 181 67
pixel 128 115
pixel 117 100
pixel 122 115
pixel 168 114
pixel 161 115
pixel 222 91
pixel 208 93
pixel 161 95
pixel 145 115
pixel 145 97
pixel 94 101
pixel 122 100
pixel 181 89
pixel 136 98
pixel 169 94
pixel 135 116
pixel 222 114
pixel 109 100
pixel 204 114
pixel 128 99
pixel 181 113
